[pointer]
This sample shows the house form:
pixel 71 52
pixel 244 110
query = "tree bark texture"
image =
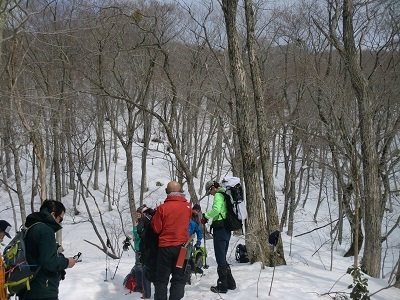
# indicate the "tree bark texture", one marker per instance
pixel 256 231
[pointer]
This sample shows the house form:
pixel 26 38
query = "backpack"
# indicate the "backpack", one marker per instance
pixel 18 272
pixel 231 221
pixel 130 281
pixel 199 257
pixel 3 290
pixel 241 254
pixel 235 205
pixel 234 190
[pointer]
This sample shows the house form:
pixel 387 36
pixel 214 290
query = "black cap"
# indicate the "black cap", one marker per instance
pixel 5 227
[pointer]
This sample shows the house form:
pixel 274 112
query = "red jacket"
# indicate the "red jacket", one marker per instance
pixel 171 220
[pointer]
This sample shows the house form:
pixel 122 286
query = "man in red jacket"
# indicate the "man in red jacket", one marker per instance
pixel 171 222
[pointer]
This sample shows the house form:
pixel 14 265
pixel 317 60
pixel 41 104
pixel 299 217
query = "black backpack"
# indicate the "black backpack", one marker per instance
pixel 241 254
pixel 19 274
pixel 231 221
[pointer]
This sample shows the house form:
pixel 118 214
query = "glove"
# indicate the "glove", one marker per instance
pixel 198 244
pixel 63 274
pixel 204 220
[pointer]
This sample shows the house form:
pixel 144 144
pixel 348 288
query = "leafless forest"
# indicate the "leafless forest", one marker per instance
pixel 313 88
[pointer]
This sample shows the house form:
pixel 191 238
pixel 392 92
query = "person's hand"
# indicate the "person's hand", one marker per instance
pixel 71 262
pixel 135 223
pixel 204 220
pixel 198 244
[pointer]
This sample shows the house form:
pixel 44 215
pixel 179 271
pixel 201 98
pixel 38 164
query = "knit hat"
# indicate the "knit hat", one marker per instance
pixel 196 207
pixel 141 209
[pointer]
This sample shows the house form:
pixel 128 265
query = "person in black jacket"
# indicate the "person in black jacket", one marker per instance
pixel 145 216
pixel 41 251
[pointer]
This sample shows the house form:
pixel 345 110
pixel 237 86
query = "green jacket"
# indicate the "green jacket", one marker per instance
pixel 136 239
pixel 41 250
pixel 218 210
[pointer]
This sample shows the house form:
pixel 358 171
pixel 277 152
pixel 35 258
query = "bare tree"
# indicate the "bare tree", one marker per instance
pixel 257 234
pixel 264 142
pixel 348 46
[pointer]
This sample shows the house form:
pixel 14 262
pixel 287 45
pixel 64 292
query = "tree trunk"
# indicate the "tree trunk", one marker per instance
pixel 56 154
pixel 372 196
pixel 17 172
pixel 256 231
pixel 263 136
pixel 147 120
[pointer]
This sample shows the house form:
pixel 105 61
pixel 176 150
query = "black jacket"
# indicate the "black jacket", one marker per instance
pixel 41 250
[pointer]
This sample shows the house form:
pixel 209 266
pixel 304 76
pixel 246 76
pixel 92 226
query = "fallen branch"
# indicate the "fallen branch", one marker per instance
pixel 103 250
pixel 316 228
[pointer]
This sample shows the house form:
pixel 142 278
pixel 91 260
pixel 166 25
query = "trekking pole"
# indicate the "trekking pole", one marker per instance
pixel 125 247
pixel 116 268
pixel 108 246
pixel 204 237
pixel 106 268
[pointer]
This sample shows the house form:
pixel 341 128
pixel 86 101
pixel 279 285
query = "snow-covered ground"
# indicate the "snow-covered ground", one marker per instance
pixel 307 274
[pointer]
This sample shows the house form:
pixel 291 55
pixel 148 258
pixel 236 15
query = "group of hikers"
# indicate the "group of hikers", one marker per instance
pixel 176 223
pixel 172 224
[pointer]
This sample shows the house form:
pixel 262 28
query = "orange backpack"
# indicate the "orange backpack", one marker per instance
pixel 3 291
pixel 130 282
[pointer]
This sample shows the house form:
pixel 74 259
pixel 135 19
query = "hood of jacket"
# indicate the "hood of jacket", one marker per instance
pixel 43 217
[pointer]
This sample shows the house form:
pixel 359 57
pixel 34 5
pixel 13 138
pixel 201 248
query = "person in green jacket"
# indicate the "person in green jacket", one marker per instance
pixel 41 251
pixel 221 237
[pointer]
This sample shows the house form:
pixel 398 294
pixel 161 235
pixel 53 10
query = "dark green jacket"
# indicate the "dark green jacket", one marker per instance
pixel 41 250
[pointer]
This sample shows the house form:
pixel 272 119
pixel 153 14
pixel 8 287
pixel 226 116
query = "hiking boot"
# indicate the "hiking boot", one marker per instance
pixel 222 284
pixel 198 270
pixel 229 278
pixel 215 289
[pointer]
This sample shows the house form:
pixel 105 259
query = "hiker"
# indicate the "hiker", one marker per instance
pixel 196 214
pixel 5 228
pixel 190 265
pixel 144 215
pixel 41 250
pixel 221 237
pixel 171 222
pixel 136 245
pixel 194 228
